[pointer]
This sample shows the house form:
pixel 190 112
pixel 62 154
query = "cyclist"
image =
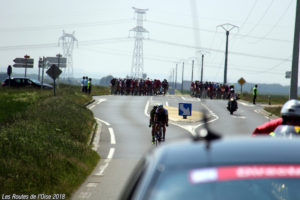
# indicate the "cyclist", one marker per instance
pixel 290 115
pixel 161 116
pixel 151 121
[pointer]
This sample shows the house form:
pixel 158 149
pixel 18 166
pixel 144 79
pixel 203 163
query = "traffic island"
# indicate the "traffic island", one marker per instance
pixel 173 115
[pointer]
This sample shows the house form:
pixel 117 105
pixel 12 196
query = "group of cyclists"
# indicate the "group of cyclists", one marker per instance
pixel 210 90
pixel 141 87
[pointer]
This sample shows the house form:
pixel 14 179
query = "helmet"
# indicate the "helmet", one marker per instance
pixel 160 106
pixel 155 107
pixel 286 131
pixel 291 109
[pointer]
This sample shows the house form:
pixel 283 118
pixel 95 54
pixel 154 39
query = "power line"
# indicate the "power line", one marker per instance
pixel 52 45
pixel 261 18
pixel 276 24
pixel 249 14
pixel 210 31
pixel 60 26
pixel 217 50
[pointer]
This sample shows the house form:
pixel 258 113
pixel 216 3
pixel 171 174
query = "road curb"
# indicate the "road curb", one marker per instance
pixel 88 103
pixel 95 126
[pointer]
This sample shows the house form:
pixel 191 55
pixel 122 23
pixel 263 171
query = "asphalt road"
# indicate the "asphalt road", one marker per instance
pixel 124 136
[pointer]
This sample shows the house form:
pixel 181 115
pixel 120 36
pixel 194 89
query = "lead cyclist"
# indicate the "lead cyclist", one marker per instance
pixel 161 116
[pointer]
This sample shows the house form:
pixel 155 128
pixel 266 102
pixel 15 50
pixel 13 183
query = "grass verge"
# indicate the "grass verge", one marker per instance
pixel 44 143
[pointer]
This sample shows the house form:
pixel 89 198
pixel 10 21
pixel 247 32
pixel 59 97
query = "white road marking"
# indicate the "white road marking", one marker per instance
pixel 183 98
pixel 112 136
pixel 167 104
pixel 239 117
pixel 146 109
pixel 101 169
pixel 245 104
pixel 100 101
pixel 106 163
pixel 106 123
pixel 111 153
pixel 84 195
pixel 92 185
pixel 92 106
pixel 97 138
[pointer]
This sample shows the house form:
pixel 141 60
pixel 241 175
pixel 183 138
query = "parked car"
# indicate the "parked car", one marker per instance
pixel 25 82
pixel 217 168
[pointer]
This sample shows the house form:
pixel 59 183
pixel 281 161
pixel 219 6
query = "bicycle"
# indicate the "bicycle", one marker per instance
pixel 158 134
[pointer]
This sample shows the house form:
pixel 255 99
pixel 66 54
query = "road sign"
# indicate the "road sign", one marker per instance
pixel 19 65
pixel 24 61
pixel 62 62
pixel 241 81
pixel 54 72
pixel 185 109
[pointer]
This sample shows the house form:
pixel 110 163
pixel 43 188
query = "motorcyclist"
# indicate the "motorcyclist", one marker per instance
pixel 290 115
pixel 161 116
pixel 232 95
pixel 151 121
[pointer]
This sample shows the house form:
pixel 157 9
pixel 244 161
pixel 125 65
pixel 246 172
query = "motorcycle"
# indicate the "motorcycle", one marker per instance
pixel 232 105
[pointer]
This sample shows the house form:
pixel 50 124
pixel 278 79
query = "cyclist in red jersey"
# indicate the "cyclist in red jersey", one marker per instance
pixel 290 115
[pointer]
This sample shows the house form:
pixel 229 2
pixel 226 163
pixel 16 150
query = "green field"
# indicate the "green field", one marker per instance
pixel 43 140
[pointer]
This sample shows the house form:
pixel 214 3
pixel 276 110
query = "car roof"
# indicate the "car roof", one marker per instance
pixel 228 151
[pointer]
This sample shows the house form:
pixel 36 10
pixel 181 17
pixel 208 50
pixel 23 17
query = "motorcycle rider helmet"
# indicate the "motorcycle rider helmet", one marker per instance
pixel 290 112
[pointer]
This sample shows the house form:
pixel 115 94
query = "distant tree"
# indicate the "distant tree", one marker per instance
pixel 106 80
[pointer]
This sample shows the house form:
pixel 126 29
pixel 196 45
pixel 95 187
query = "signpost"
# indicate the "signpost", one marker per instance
pixel 241 81
pixel 54 73
pixel 9 71
pixel 25 62
pixel 60 61
pixel 185 109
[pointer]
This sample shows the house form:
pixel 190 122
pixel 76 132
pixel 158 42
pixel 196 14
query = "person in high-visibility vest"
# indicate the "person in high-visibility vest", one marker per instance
pixel 89 86
pixel 254 90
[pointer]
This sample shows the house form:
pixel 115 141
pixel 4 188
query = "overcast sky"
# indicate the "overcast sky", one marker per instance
pixel 260 50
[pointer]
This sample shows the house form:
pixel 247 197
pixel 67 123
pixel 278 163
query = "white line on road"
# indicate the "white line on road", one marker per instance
pixel 101 100
pixel 91 185
pixel 106 123
pixel 97 138
pixel 92 106
pixel 146 109
pixel 111 153
pixel 106 162
pixel 167 104
pixel 112 136
pixel 183 98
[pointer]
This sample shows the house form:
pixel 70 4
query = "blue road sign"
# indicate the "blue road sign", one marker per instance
pixel 185 109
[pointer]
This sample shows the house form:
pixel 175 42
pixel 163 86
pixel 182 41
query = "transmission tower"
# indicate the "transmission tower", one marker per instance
pixel 68 41
pixel 137 67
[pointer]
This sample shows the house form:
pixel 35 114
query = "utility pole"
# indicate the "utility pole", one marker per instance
pixel 192 70
pixel 182 77
pixel 202 68
pixel 173 78
pixel 227 28
pixel 294 76
pixel 176 75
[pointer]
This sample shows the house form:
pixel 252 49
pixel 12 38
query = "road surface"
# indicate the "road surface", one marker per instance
pixel 124 136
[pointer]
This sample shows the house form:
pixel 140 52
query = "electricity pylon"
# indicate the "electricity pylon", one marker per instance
pixel 68 41
pixel 137 68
